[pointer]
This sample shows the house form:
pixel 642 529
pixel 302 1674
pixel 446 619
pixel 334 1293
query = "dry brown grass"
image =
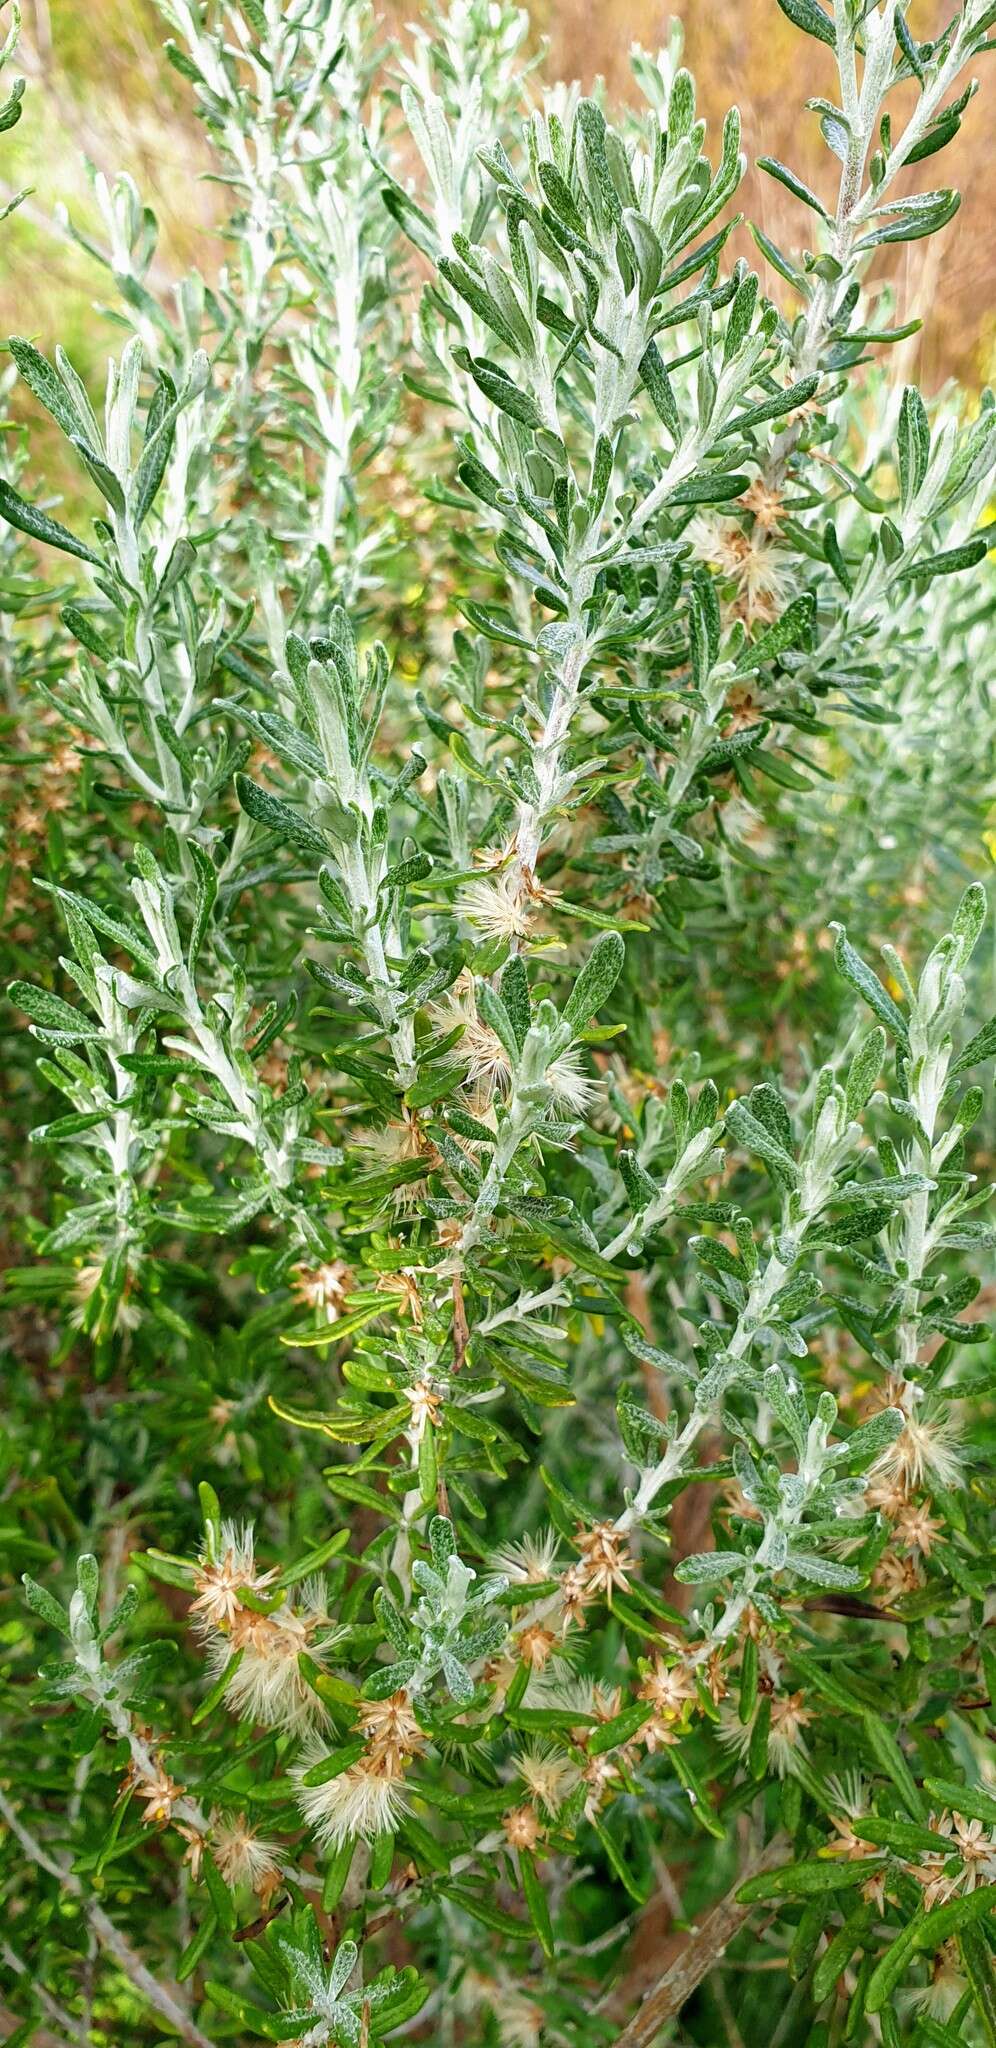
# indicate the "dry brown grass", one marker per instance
pixel 744 52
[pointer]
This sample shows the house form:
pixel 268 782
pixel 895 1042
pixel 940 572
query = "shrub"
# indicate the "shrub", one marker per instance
pixel 499 1305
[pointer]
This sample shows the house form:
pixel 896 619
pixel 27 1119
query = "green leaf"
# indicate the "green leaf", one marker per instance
pixel 622 1728
pixel 489 1915
pixel 914 445
pixel 805 14
pixel 39 526
pixel 805 1880
pixel 278 817
pixel 890 1759
pixel 596 980
pixel 272 2026
pixel 218 1689
pixel 197 1946
pixel 792 183
pixel 45 1605
pixel 752 1135
pixel 977 1962
pixel 867 985
pixel 49 388
pixel 705 1565
pixel 655 380
pixel 909 219
pixel 50 1013
pixel 536 1902
pixel 494 625
pixel 949 563
pixel 974 1801
pixel 508 397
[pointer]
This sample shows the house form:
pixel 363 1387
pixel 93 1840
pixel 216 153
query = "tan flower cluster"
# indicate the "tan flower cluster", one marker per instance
pixel 786 1742
pixel 928 1448
pixel 325 1287
pixel 759 571
pixel 263 1642
pixel 220 1582
pixel 522 1826
pixel 156 1789
pixel 426 1407
pixel 400 1142
pixel 606 1560
pixel 965 1856
pixel 245 1857
pixel 669 1689
pixel 941 1876
pixel 367 1799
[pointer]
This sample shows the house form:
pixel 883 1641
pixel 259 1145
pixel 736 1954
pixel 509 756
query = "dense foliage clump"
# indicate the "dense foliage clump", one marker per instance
pixel 500 766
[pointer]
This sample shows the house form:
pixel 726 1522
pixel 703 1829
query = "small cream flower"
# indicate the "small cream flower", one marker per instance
pixel 495 907
pixel 400 1142
pixel 601 1779
pixel 426 1405
pixel 520 2021
pixel 522 1827
pixel 243 1856
pixel 573 1089
pixel 127 1314
pixel 220 1582
pixel 576 1593
pixel 550 1776
pixel 668 1688
pixel 323 1287
pixel 927 1448
pixel 606 1557
pixel 365 1801
pixel 916 1527
pixel 266 1685
pixel 487 1062
pixel 392 1731
pixel 529 1562
pixel 159 1795
pixel 760 571
pixel 536 1644
pixel 946 1989
pixel 767 504
pixel 786 1742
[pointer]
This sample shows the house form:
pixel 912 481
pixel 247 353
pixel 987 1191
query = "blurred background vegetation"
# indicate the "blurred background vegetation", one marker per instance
pixel 99 92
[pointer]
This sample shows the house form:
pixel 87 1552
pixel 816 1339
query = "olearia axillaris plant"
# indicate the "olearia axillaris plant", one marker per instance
pixel 498 1313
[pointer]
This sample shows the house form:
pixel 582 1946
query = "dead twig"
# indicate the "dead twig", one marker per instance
pixel 702 1949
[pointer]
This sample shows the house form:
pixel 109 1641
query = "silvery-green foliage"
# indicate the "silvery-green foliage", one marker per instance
pixel 486 1165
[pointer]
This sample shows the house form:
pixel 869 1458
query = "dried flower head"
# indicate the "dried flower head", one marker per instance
pixel 363 1802
pixel 536 1645
pixel 522 1827
pixel 529 1562
pixel 219 1582
pixel 495 907
pixel 266 1684
pixel 158 1793
pixel 392 1731
pixel 929 1447
pixel 668 1688
pixel 550 1775
pixel 243 1855
pixel 606 1556
pixel 323 1287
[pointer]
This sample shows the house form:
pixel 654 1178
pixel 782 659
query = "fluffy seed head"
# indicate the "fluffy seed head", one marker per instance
pixel 365 1801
